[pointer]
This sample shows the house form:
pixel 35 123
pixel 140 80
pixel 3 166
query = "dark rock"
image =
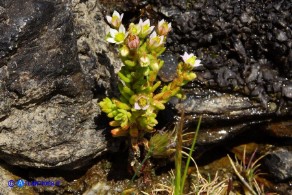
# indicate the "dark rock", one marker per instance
pixel 244 47
pixel 168 72
pixel 287 90
pixel 221 105
pixel 279 164
pixel 238 46
pixel 246 18
pixel 281 36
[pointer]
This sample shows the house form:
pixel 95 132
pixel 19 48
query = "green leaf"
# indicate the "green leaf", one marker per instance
pixel 124 78
pixel 130 63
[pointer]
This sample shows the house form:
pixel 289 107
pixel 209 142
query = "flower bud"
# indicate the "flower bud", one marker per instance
pixel 133 41
pixel 155 66
pixel 191 76
pixel 124 51
pixel 118 132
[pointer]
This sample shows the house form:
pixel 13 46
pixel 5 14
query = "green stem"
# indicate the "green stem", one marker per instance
pixel 178 157
pixel 190 155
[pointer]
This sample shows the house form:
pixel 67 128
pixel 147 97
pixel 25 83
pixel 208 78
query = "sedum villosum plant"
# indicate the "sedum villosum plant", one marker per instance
pixel 134 112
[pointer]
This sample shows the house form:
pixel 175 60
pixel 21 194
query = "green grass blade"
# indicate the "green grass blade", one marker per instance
pixel 178 157
pixel 190 155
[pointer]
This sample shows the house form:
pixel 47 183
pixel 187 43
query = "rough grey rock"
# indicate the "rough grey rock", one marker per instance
pixel 47 107
pixel 279 164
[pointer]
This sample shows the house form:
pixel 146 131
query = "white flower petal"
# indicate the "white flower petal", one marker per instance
pixel 122 29
pixel 113 32
pixel 116 14
pixel 145 107
pixel 197 63
pixel 111 40
pixel 140 22
pixel 146 22
pixel 153 35
pixel 109 19
pixel 136 106
pixel 185 56
pixel 151 28
pixel 160 22
pixel 120 42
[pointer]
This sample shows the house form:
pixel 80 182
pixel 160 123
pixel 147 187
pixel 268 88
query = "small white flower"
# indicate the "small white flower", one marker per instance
pixel 146 29
pixel 163 27
pixel 191 60
pixel 142 103
pixel 144 61
pixel 155 40
pixel 138 107
pixel 115 20
pixel 117 37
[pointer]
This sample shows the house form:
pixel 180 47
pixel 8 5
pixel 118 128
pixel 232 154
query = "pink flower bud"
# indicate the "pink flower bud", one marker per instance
pixel 133 41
